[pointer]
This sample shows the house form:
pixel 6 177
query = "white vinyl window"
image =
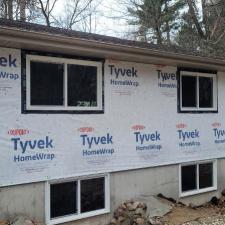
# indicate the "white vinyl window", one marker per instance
pixel 198 91
pixel 63 84
pixel 197 177
pixel 75 199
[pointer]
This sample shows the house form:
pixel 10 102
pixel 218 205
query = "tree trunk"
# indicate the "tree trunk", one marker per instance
pixel 167 25
pixel 158 36
pixel 195 19
pixel 23 10
pixel 5 9
pixel 10 9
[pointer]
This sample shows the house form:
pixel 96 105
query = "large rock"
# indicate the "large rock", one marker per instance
pixel 156 207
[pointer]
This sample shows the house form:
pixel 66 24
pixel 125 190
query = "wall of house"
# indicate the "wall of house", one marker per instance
pixel 139 100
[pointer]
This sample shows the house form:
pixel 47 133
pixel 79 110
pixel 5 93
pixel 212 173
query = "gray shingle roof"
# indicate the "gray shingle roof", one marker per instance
pixel 101 38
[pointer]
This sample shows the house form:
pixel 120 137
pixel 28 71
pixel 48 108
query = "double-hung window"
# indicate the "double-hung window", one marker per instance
pixel 198 177
pixel 76 199
pixel 60 84
pixel 198 91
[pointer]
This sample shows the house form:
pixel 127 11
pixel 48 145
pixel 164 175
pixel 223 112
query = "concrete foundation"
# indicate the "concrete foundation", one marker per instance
pixel 29 199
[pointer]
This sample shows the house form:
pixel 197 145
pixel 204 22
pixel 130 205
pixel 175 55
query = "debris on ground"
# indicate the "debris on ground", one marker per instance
pixel 130 212
pixel 152 210
pixel 20 220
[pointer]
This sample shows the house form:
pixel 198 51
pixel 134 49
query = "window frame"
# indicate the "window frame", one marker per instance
pixel 197 75
pixel 65 62
pixel 198 190
pixel 79 215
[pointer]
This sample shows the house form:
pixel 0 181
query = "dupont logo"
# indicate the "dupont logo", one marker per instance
pixel 18 132
pixel 86 129
pixel 138 127
pixel 216 124
pixel 181 126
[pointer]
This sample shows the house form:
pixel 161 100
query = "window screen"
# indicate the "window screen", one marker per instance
pixel 188 178
pixel 189 91
pixel 205 175
pixel 205 92
pixel 82 85
pixel 92 194
pixel 63 199
pixel 46 81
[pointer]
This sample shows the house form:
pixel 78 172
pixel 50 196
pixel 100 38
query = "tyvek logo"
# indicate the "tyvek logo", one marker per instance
pixel 121 72
pixel 104 140
pixel 8 62
pixel 30 145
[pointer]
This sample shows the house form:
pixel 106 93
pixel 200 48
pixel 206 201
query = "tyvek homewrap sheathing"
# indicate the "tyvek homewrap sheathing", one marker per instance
pixel 140 127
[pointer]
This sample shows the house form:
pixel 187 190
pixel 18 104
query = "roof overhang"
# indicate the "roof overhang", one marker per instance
pixel 40 41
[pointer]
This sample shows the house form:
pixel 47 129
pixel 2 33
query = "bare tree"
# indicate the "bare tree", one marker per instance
pixel 76 12
pixel 46 8
pixel 22 9
pixel 210 25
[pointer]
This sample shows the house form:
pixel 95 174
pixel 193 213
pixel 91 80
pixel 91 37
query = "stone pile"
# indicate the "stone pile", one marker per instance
pixel 132 213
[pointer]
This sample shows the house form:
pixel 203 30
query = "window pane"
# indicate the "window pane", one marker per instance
pixel 205 175
pixel 92 194
pixel 205 92
pixel 188 174
pixel 82 85
pixel 189 86
pixel 63 199
pixel 46 83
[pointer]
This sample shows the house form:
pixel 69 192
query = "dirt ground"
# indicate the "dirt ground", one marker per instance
pixel 208 214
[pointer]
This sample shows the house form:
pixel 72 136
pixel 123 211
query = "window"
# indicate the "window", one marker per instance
pixel 198 91
pixel 76 199
pixel 59 84
pixel 198 178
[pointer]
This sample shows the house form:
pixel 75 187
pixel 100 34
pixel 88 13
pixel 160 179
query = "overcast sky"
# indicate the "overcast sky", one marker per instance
pixel 109 19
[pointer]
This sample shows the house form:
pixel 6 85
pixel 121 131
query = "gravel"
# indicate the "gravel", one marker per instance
pixel 215 220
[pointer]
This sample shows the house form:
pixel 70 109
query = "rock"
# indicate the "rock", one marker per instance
pixel 130 213
pixel 119 212
pixel 132 206
pixel 192 206
pixel 223 192
pixel 28 222
pixel 127 221
pixel 156 207
pixel 214 201
pixel 140 211
pixel 155 222
pixel 113 222
pixel 120 219
pixel 142 205
pixel 140 221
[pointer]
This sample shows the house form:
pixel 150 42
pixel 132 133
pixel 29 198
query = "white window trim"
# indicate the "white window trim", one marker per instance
pixel 215 86
pixel 64 61
pixel 79 215
pixel 203 190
